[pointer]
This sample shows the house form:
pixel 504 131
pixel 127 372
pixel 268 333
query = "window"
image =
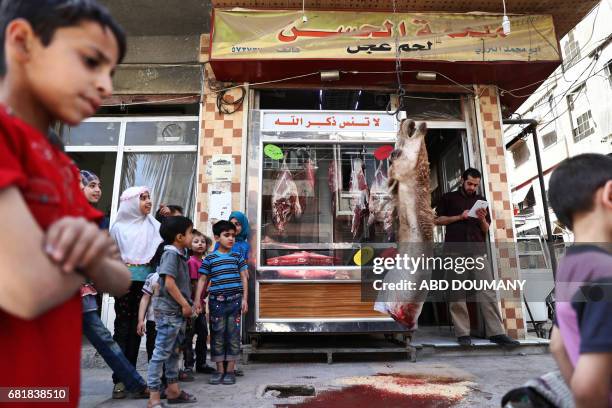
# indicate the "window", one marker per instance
pixel 608 71
pixel 520 153
pixel 155 151
pixel 571 50
pixel 549 139
pixel 583 126
pixel 576 94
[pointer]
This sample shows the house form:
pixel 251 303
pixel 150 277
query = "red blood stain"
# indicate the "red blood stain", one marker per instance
pixel 406 314
pixel 368 396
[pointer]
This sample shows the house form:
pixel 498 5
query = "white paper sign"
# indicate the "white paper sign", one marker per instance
pixel 328 121
pixel 219 204
pixel 222 168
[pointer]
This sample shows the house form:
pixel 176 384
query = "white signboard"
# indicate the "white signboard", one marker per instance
pixel 358 121
pixel 219 203
pixel 222 168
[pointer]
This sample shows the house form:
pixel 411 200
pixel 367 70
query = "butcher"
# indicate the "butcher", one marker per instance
pixel 452 212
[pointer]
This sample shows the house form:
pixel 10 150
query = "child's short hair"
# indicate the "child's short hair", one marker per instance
pixel 221 226
pixel 574 182
pixel 197 233
pixel 173 226
pixel 46 16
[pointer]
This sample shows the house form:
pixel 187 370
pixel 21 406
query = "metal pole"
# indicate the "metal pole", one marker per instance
pixel 549 237
pixel 532 128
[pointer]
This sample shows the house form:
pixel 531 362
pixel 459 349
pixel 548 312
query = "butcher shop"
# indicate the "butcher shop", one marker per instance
pixel 323 94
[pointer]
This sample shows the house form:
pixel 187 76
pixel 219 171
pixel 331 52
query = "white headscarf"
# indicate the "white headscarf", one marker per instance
pixel 136 234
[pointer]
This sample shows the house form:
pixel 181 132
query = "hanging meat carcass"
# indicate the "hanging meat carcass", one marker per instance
pixel 381 204
pixel 333 183
pixel 311 174
pixel 285 199
pixel 358 190
pixel 409 186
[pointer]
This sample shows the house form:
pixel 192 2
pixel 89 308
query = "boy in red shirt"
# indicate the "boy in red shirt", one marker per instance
pixel 56 62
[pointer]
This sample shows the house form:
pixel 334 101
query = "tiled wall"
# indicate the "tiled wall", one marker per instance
pixel 501 208
pixel 221 134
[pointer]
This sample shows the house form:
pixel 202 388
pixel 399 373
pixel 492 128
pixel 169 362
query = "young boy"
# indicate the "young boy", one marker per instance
pixel 227 272
pixel 199 249
pixel 580 193
pixel 56 62
pixel 172 307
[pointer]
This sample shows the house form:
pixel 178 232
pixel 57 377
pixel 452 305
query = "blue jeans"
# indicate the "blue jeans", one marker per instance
pixel 99 336
pixel 225 328
pixel 170 334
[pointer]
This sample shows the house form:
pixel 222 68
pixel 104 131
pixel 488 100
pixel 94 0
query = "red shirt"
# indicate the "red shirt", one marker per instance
pixel 44 352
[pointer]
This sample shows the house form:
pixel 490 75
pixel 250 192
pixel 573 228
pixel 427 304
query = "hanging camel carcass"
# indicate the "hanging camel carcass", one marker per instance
pixel 409 187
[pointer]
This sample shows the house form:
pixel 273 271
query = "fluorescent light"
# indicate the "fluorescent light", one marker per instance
pixel 426 76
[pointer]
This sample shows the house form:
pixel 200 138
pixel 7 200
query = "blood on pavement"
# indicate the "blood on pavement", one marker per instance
pixel 368 396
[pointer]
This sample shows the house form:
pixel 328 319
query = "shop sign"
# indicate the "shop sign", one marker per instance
pixel 328 121
pixel 242 34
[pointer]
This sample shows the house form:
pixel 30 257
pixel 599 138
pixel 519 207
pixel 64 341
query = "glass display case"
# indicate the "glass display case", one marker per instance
pixel 316 195
pixel 320 203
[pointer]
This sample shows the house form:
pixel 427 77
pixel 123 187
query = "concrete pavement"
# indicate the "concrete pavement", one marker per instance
pixel 436 381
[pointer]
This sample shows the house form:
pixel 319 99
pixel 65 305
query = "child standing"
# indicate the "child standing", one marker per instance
pixel 150 289
pixel 580 192
pixel 241 244
pixel 56 62
pixel 227 272
pixel 173 306
pixel 198 328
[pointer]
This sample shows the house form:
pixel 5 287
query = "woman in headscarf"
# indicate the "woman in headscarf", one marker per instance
pixel 136 233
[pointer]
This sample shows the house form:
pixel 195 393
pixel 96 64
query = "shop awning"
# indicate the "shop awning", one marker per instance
pixel 519 195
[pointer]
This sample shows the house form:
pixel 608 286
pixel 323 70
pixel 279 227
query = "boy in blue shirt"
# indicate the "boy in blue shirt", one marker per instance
pixel 227 273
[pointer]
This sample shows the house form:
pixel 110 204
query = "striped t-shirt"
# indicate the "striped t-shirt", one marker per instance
pixel 223 272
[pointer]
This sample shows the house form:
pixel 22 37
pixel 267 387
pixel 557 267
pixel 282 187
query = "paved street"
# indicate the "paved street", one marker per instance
pixel 473 381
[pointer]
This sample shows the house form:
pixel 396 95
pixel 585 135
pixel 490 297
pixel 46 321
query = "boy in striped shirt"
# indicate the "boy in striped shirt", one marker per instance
pixel 227 273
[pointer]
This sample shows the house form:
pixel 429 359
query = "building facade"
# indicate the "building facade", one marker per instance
pixel 574 110
pixel 194 114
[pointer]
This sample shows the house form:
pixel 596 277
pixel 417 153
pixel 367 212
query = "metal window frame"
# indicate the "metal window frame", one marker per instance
pixel 120 148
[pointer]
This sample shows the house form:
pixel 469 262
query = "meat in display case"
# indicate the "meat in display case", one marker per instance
pixel 319 204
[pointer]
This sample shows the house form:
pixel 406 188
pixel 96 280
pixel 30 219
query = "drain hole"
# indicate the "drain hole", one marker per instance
pixel 286 391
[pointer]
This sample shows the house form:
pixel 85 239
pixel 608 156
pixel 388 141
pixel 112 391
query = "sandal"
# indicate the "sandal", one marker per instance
pixel 183 398
pixel 157 405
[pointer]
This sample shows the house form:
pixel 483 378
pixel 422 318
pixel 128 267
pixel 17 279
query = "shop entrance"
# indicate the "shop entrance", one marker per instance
pixel 326 143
